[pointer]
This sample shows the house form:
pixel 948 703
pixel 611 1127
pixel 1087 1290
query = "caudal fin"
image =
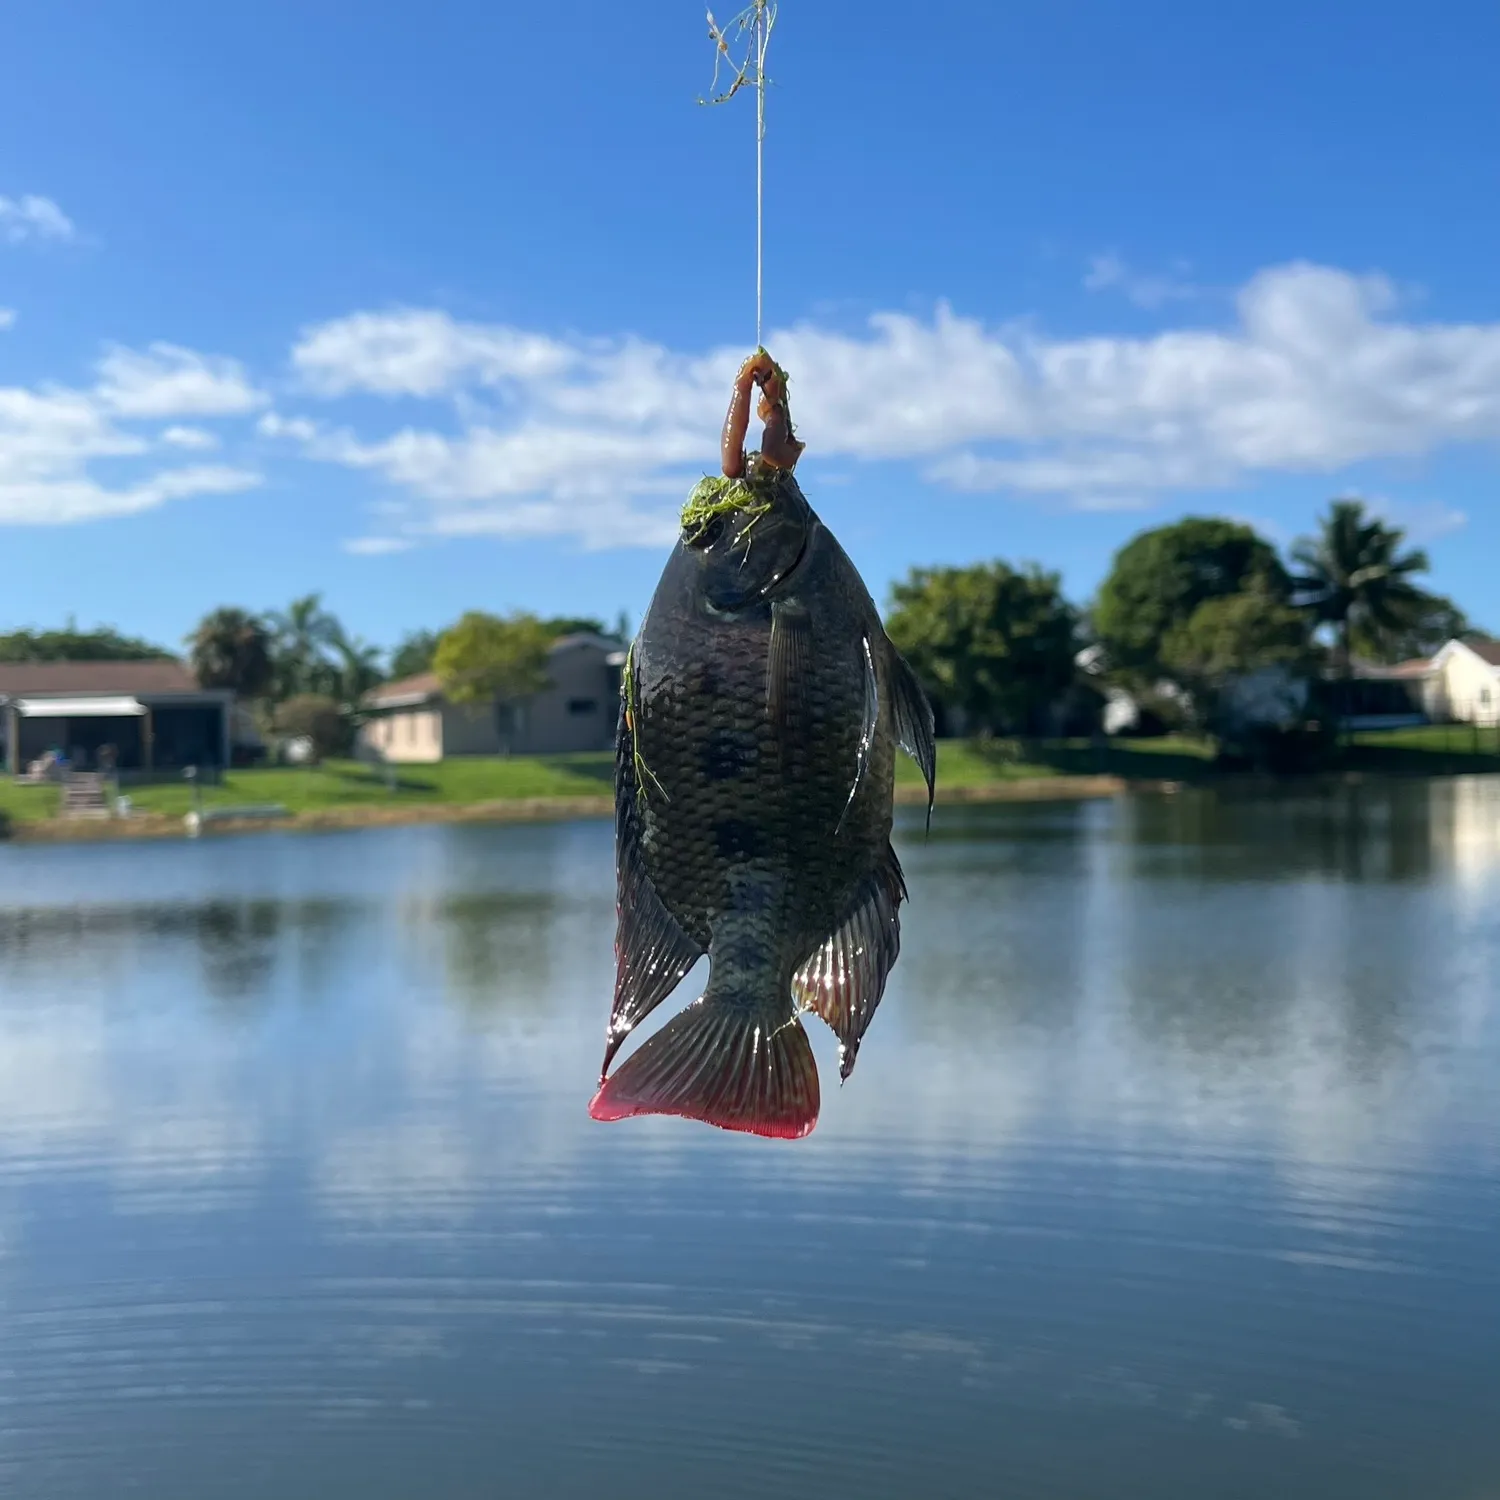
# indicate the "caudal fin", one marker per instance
pixel 722 1064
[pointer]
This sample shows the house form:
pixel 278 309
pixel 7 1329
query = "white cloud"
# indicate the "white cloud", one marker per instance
pixel 1424 520
pixel 271 425
pixel 62 501
pixel 417 353
pixel 1110 273
pixel 1316 372
pixel 33 218
pixel 377 546
pixel 7 317
pixel 189 437
pixel 50 436
pixel 169 381
pixel 533 435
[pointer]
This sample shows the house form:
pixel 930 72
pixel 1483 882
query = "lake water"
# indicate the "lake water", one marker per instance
pixel 1170 1169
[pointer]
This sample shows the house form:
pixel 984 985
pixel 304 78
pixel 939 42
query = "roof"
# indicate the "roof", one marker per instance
pixel 606 643
pixel 1418 666
pixel 409 692
pixel 93 707
pixel 416 689
pixel 72 678
pixel 1486 650
pixel 1382 671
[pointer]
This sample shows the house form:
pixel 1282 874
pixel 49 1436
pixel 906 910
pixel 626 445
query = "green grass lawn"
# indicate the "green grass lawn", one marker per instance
pixel 966 763
pixel 1432 749
pixel 345 783
pixel 1435 749
pixel 26 804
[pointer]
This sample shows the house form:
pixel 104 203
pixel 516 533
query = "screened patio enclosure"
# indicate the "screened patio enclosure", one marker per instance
pixel 130 717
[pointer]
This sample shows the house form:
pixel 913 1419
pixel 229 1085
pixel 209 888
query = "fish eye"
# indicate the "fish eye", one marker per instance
pixel 711 534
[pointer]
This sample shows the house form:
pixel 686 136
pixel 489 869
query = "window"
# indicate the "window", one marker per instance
pixel 1484 697
pixel 583 705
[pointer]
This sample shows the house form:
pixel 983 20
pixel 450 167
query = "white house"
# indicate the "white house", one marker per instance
pixel 1464 683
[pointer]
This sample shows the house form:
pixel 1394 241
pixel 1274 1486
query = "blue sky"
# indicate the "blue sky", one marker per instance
pixel 432 307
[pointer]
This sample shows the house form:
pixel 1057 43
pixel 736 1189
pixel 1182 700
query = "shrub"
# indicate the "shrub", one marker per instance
pixel 314 717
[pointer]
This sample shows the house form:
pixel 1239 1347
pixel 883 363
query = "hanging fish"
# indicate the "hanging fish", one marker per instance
pixel 761 708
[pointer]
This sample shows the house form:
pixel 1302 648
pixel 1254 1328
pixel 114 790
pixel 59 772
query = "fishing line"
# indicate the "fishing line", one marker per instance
pixel 763 36
pixel 755 23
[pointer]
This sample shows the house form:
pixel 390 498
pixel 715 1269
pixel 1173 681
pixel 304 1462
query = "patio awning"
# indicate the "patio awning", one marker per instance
pixel 79 708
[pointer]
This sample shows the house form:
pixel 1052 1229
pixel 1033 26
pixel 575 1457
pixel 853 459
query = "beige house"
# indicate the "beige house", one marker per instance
pixel 1464 683
pixel 410 721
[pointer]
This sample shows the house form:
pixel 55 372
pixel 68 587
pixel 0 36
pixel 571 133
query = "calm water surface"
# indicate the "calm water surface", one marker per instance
pixel 1171 1169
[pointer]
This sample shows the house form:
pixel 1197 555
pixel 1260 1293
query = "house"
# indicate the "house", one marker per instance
pixel 1464 682
pixel 139 716
pixel 1122 712
pixel 1386 696
pixel 578 710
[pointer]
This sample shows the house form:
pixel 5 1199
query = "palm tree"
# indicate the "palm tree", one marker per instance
pixel 1355 578
pixel 359 666
pixel 413 653
pixel 231 648
pixel 304 635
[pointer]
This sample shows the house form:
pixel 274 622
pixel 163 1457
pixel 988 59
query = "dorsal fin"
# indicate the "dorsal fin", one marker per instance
pixel 869 724
pixel 912 715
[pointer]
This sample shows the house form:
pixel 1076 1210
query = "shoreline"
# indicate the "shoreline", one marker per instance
pixel 523 810
pixel 561 809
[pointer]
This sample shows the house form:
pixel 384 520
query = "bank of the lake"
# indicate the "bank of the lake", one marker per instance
pixel 349 794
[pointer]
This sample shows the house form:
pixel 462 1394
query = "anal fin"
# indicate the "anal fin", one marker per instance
pixel 844 980
pixel 724 1064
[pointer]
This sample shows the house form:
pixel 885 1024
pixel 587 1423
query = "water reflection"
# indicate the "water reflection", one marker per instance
pixel 1378 831
pixel 1169 1170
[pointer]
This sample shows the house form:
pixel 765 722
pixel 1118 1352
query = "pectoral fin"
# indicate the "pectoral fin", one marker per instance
pixel 844 980
pixel 788 662
pixel 914 723
pixel 652 953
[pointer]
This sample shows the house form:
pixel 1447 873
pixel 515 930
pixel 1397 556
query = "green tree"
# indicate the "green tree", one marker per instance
pixel 72 644
pixel 316 717
pixel 1354 577
pixel 993 641
pixel 303 640
pixel 1437 622
pixel 1161 577
pixel 413 653
pixel 1235 634
pixel 560 625
pixel 357 664
pixel 231 648
pixel 488 657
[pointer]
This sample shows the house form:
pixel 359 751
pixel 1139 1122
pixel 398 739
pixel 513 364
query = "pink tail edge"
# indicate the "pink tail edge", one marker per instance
pixel 722 1066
